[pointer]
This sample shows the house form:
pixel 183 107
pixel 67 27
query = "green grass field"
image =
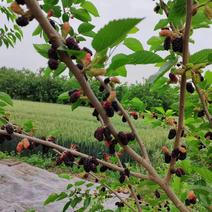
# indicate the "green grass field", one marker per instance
pixel 79 125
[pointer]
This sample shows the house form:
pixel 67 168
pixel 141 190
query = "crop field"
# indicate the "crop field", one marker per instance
pixel 79 125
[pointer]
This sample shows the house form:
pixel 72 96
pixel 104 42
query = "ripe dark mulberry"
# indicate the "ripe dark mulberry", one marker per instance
pixel 112 149
pixel 9 128
pixel 119 204
pixel 208 135
pixel 122 137
pixel 130 136
pixel 22 21
pixel 167 158
pixel 99 134
pixel 189 87
pixel 122 177
pixel 177 45
pixel 72 44
pixel 106 80
pixel 201 113
pixel 103 168
pixel 172 133
pixel 173 78
pixel 107 134
pixel 124 119
pixel 175 153
pixel 157 194
pixel 88 50
pixel 80 66
pixel 22 2
pixel 53 64
pixel 115 106
pixel 75 96
pixel 52 53
pixel 167 43
pixel 52 23
pixel 101 88
pixel 179 172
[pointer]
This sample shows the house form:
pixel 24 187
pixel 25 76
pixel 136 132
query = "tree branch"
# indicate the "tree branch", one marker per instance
pixel 74 152
pixel 182 85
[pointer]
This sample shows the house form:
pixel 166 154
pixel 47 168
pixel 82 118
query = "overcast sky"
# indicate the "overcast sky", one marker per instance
pixel 24 55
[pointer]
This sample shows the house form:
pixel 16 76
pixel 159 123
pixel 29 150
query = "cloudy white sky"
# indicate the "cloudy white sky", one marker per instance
pixel 24 55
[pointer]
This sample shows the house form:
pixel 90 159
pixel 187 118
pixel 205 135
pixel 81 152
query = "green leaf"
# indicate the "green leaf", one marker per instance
pixel 87 202
pixel 79 183
pixel 121 71
pixel 42 49
pixel 51 2
pixel 202 56
pixel 66 206
pixel 78 54
pixel 144 57
pixel 118 61
pixel 81 14
pixel 156 43
pixel 177 12
pixel 65 176
pixel 112 32
pixel 208 77
pixel 28 125
pixel 137 104
pixel 90 8
pixel 133 44
pixel 162 23
pixel 51 198
pixel 166 67
pixel 205 173
pixel 75 201
pixel 6 98
pixel 62 196
pixel 85 27
pixel 61 68
pixel 133 30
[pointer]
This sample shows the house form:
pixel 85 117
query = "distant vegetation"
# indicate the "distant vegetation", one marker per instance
pixel 27 85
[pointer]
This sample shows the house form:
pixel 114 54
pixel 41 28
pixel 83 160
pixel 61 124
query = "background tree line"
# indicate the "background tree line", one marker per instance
pixel 27 85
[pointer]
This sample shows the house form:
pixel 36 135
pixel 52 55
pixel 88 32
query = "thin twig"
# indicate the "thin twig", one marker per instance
pixel 115 193
pixel 74 152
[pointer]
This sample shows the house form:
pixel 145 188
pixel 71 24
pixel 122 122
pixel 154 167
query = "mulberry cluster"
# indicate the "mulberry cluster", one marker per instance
pixel 67 158
pixel 125 138
pixel 25 17
pixel 134 115
pixel 71 43
pixel 74 95
pixel 108 108
pixel 179 153
pixel 9 128
pixel 208 135
pixel 191 198
pixel 89 164
pixel 119 204
pixel 179 172
pixel 124 175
